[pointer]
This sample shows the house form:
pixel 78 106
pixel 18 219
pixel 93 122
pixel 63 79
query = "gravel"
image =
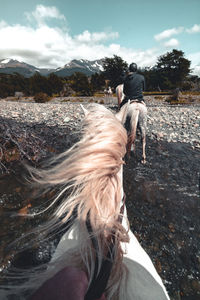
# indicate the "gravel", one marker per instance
pixel 173 124
pixel 162 196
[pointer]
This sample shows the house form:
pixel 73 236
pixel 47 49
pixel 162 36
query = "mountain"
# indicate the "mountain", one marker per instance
pixel 85 66
pixel 10 66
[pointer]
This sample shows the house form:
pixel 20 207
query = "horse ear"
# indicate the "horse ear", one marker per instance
pixel 121 115
pixel 84 110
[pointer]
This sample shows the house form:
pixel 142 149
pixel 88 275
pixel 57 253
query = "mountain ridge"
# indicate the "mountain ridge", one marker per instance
pixel 10 66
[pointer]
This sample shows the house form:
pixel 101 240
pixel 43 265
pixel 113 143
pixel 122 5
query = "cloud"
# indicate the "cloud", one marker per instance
pixel 171 43
pixel 42 13
pixel 45 46
pixel 2 24
pixel 96 37
pixel 195 62
pixel 195 57
pixel 196 70
pixel 168 33
pixel 21 41
pixel 174 31
pixel 194 29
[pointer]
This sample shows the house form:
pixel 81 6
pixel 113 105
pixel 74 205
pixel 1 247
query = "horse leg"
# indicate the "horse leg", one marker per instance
pixel 119 93
pixel 132 136
pixel 119 98
pixel 131 142
pixel 143 150
pixel 142 124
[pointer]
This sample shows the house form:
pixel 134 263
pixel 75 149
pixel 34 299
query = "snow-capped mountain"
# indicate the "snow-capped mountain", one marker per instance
pixel 85 66
pixel 10 66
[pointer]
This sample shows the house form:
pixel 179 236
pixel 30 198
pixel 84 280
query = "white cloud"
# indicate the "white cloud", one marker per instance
pixel 195 62
pixel 194 29
pixel 194 57
pixel 171 43
pixel 52 47
pixel 45 46
pixel 168 33
pixel 42 13
pixel 196 70
pixel 3 24
pixel 96 37
pixel 33 45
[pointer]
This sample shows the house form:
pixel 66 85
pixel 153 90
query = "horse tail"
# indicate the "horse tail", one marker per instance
pixel 133 127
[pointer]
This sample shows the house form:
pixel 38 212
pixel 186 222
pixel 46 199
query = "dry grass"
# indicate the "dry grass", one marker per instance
pixel 159 97
pixel 183 99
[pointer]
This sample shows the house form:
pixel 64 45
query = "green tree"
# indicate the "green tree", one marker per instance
pixel 19 83
pixel 172 69
pixel 113 69
pixel 5 88
pixel 39 83
pixel 55 83
pixel 80 84
pixel 151 79
pixel 97 81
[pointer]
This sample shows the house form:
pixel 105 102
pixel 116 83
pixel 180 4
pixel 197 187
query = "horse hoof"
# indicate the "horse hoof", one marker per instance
pixel 143 161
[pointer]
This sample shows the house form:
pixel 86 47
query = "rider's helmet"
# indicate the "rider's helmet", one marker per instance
pixel 133 67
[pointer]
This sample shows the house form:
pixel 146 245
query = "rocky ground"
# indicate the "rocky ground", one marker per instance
pixel 162 196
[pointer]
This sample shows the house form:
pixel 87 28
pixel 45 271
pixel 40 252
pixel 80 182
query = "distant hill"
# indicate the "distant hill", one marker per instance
pixel 10 66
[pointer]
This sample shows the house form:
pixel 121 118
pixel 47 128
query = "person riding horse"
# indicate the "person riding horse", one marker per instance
pixel 134 85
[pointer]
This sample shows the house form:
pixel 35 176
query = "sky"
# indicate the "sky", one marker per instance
pixel 50 33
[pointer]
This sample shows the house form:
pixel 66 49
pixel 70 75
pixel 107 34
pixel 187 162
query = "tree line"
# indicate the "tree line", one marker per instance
pixel 171 71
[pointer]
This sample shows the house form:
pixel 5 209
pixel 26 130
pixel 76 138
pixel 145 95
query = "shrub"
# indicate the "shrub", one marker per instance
pixel 65 100
pixel 158 97
pixel 190 98
pixel 41 98
pixel 98 94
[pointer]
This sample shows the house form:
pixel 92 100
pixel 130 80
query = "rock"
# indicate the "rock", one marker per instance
pixel 171 227
pixel 160 135
pixel 158 266
pixel 66 120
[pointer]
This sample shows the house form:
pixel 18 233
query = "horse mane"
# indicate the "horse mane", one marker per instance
pixel 90 167
pixel 88 173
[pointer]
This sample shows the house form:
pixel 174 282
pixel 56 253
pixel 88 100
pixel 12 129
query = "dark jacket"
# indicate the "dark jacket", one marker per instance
pixel 134 85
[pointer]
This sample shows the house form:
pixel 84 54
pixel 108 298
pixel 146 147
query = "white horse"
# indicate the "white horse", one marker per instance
pixel 120 94
pixel 108 92
pixel 98 257
pixel 137 114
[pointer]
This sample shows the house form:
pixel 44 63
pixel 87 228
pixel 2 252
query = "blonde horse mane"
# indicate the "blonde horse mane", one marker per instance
pixel 89 174
pixel 90 167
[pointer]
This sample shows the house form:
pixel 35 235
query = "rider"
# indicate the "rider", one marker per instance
pixel 134 85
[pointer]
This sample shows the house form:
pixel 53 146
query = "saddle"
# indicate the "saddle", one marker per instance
pixel 137 101
pixel 131 101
